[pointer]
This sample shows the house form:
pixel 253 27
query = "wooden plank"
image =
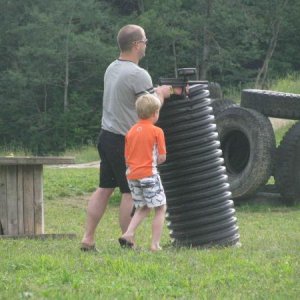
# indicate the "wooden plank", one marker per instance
pixel 41 236
pixel 38 200
pixel 12 200
pixel 43 160
pixel 28 200
pixel 3 202
pixel 20 188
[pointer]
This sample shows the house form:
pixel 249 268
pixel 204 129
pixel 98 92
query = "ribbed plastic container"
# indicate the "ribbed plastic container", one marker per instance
pixel 200 210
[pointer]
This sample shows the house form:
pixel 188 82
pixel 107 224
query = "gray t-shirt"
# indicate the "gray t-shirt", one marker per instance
pixel 124 81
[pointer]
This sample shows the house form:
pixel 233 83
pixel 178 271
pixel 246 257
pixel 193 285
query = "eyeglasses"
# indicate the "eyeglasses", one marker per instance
pixel 145 41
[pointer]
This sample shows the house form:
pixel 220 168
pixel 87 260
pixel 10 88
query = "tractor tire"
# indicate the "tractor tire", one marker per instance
pixel 219 106
pixel 272 104
pixel 248 145
pixel 287 166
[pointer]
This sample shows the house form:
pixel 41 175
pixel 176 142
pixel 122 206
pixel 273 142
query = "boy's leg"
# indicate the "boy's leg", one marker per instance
pixel 140 214
pixel 157 227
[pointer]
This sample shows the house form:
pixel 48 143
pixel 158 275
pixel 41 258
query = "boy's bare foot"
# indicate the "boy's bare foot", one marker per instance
pixel 155 248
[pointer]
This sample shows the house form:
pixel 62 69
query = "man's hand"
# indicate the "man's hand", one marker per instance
pixel 165 91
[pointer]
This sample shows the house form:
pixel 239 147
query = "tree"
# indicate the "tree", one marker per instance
pixel 63 49
pixel 275 12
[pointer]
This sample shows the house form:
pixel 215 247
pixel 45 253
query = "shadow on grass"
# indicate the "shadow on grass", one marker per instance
pixel 265 205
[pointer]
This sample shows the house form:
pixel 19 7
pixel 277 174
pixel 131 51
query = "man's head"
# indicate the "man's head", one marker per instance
pixel 147 106
pixel 132 38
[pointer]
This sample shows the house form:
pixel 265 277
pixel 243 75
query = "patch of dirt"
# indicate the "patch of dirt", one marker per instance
pixel 93 164
pixel 278 123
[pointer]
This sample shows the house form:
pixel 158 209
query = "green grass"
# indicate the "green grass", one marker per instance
pixel 265 267
pixel 289 84
pixel 12 151
pixel 280 132
pixel 84 154
pixel 63 182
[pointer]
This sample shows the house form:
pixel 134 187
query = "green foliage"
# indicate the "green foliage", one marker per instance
pixel 54 55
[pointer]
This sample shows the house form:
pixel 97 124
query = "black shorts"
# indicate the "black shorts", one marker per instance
pixel 112 165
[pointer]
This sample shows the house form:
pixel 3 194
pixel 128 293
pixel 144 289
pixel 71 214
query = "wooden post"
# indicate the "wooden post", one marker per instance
pixel 20 199
pixel 3 203
pixel 38 200
pixel 12 199
pixel 28 200
pixel 21 194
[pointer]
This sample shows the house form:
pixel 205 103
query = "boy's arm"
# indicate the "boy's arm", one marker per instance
pixel 161 158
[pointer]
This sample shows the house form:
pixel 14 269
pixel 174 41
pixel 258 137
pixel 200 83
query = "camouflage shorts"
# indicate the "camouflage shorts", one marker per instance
pixel 147 191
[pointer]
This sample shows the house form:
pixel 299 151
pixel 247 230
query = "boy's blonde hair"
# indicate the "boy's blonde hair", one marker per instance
pixel 146 105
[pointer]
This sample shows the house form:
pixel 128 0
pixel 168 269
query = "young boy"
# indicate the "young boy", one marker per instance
pixel 144 149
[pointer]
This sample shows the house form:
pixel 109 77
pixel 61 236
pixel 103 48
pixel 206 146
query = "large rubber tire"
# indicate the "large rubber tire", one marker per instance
pixel 219 106
pixel 248 144
pixel 272 104
pixel 215 91
pixel 287 166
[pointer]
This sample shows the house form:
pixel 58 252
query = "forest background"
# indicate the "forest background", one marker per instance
pixel 53 55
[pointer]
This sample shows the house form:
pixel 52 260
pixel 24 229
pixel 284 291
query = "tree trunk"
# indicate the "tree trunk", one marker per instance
pixel 206 42
pixel 141 6
pixel 262 74
pixel 205 54
pixel 45 98
pixel 67 57
pixel 175 58
pixel 66 82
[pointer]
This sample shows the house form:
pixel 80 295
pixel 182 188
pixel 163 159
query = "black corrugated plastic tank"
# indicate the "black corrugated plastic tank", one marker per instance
pixel 200 209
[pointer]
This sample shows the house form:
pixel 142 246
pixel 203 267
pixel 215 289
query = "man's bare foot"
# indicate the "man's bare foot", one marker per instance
pixel 127 241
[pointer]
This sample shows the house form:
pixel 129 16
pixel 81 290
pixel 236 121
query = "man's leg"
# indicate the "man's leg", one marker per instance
pixel 126 207
pixel 95 210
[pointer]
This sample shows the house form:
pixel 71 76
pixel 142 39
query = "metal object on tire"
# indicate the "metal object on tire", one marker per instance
pixel 272 104
pixel 194 177
pixel 248 145
pixel 287 166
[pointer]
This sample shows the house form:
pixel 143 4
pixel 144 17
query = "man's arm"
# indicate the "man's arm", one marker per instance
pixel 165 91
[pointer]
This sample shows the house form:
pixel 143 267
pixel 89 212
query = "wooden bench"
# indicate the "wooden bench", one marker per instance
pixel 21 194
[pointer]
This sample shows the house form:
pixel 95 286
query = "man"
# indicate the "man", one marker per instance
pixel 124 81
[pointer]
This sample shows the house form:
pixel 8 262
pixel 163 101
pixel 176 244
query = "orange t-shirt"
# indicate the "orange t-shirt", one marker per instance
pixel 144 142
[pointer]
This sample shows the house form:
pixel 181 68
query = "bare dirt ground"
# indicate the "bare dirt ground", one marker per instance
pixel 92 164
pixel 278 123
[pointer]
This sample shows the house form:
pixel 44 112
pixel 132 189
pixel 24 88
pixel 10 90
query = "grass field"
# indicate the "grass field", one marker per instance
pixel 267 266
